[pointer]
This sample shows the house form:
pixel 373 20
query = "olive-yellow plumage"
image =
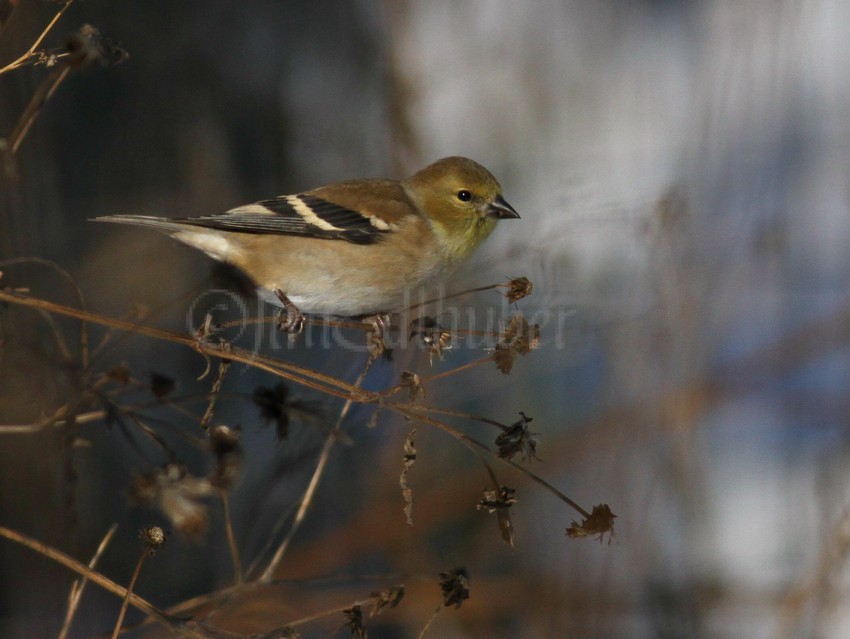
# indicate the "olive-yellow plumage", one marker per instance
pixel 355 247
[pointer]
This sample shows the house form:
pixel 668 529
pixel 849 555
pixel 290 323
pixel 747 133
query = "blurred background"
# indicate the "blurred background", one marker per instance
pixel 681 169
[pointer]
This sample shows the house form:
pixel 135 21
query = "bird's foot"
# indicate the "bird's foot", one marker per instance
pixel 289 318
pixel 378 324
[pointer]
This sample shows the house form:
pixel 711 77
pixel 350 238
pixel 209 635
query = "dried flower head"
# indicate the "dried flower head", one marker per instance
pixel 499 501
pixel 518 439
pixel 177 495
pixel 500 498
pixel 412 382
pixel 431 336
pixel 518 338
pixel 162 385
pixel 455 587
pixel 153 537
pixel 601 521
pixel 224 442
pixel 276 406
pixel 354 621
pixel 518 288
pixel 224 439
pixel 87 46
pixel 388 598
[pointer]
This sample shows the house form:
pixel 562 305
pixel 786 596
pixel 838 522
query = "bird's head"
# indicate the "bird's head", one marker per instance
pixel 462 200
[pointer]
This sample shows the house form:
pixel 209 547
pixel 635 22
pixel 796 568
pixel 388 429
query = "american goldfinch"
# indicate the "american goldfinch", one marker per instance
pixel 351 248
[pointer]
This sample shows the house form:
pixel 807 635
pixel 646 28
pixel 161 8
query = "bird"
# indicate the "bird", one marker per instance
pixel 352 248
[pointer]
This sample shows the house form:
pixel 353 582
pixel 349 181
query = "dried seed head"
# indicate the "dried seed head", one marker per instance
pixel 224 442
pixel 518 439
pixel 388 598
pixel 412 382
pixel 455 587
pixel 153 537
pixel 601 521
pixel 354 621
pixel 518 288
pixel 177 495
pixel 162 385
pixel 519 338
pixel 87 46
pixel 432 337
pixel 497 499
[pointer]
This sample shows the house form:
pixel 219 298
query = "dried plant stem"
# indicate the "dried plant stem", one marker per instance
pixel 310 492
pixel 477 289
pixel 117 630
pixel 50 26
pixel 80 584
pixel 327 613
pixel 25 58
pixel 298 374
pixel 458 369
pixel 463 415
pixel 477 446
pixel 58 417
pixel 306 501
pixel 430 621
pixel 322 321
pixel 44 92
pixel 223 365
pixel 81 302
pixel 231 539
pixel 107 584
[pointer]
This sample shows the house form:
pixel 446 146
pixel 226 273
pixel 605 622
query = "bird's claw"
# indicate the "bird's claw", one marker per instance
pixel 378 324
pixel 289 318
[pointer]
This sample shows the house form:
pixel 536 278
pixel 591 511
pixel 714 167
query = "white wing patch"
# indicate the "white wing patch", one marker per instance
pixel 300 207
pixel 381 225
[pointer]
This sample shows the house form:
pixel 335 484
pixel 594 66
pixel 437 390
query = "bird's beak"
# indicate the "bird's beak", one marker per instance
pixel 501 210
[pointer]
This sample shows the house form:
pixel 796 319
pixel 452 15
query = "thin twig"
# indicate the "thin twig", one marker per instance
pixel 430 621
pixel 25 57
pixel 80 585
pixel 50 26
pixel 464 415
pixel 477 289
pixel 231 539
pixel 81 302
pixel 310 492
pixel 477 446
pixel 327 613
pixel 117 630
pixel 457 369
pixel 306 501
pixel 298 374
pixel 223 365
pixel 135 600
pixel 44 92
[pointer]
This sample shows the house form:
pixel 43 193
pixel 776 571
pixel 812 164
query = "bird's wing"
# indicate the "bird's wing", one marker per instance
pixel 361 211
pixel 293 215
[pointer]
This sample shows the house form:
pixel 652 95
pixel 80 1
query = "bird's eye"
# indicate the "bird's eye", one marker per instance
pixel 464 196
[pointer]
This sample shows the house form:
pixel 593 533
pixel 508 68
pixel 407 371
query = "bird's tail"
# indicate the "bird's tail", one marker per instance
pixel 159 223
